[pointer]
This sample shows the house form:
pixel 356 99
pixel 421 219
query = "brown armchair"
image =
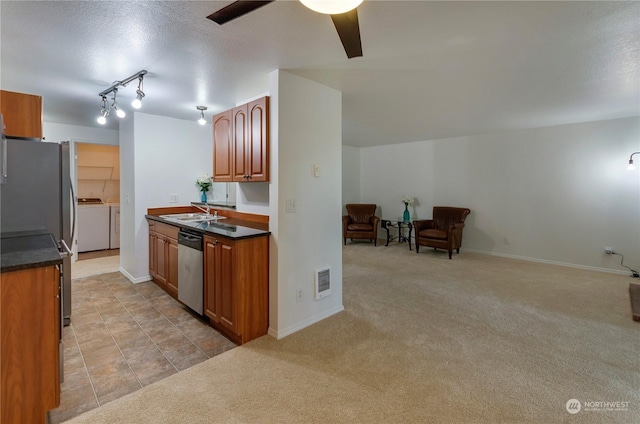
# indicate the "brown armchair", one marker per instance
pixel 444 231
pixel 360 222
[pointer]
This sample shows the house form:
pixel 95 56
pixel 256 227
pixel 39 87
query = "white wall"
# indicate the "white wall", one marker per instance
pixel 350 176
pixel 54 132
pixel 306 129
pixel 560 194
pixel 159 156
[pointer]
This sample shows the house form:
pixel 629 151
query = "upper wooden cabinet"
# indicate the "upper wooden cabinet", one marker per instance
pixel 241 143
pixel 21 114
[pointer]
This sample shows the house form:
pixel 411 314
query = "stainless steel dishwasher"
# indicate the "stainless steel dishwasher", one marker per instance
pixel 190 270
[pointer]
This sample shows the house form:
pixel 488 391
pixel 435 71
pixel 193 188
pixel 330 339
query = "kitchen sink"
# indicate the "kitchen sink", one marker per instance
pixel 192 217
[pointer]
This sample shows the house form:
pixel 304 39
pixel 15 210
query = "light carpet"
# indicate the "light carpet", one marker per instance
pixel 424 339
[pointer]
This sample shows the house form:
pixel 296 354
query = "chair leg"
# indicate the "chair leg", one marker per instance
pixel 345 241
pixel 458 250
pixel 375 242
pixel 450 252
pixel 417 248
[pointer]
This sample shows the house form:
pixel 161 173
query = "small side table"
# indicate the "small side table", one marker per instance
pixel 400 225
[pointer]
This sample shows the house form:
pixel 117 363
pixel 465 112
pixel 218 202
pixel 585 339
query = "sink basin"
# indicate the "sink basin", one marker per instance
pixel 192 217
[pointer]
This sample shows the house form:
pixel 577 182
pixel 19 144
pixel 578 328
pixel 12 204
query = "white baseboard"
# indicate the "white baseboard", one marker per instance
pixel 132 278
pixel 280 334
pixel 546 261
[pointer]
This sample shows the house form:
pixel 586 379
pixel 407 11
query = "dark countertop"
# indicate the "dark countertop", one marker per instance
pixel 26 250
pixel 229 227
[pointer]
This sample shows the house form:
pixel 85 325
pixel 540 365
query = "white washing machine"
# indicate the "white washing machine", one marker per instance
pixel 114 226
pixel 93 226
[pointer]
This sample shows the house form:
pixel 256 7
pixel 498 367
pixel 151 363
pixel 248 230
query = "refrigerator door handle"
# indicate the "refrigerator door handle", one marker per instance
pixel 3 177
pixel 67 252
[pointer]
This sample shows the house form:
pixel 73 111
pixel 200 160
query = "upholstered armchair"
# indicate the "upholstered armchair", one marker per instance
pixel 360 222
pixel 444 231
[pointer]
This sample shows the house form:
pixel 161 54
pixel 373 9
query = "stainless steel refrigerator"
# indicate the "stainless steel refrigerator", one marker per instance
pixel 36 196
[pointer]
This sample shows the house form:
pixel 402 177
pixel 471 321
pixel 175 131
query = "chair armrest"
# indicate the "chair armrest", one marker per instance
pixel 375 220
pixel 423 224
pixel 457 227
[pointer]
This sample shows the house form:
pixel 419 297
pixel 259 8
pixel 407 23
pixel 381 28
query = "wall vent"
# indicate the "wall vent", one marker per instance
pixel 323 283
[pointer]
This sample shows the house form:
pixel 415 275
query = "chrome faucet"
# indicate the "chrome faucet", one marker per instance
pixel 207 209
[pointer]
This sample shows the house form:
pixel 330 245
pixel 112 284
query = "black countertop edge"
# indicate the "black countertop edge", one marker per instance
pixel 240 231
pixel 28 251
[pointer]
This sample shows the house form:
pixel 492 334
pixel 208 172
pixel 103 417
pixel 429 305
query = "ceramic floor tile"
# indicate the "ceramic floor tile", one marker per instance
pixel 105 356
pixel 125 336
pixel 108 385
pixel 73 403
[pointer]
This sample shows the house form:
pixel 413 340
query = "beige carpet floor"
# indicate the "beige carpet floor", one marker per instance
pixel 424 339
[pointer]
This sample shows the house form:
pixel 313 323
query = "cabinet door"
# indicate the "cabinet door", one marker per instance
pixel 162 265
pixel 210 297
pixel 153 264
pixel 240 170
pixel 226 285
pixel 172 264
pixel 21 114
pixel 30 333
pixel 222 147
pixel 257 152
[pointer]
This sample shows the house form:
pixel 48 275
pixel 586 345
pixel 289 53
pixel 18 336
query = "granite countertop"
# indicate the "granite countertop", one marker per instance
pixel 25 251
pixel 232 228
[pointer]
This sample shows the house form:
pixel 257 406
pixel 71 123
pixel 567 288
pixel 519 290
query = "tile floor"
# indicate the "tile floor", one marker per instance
pixel 123 337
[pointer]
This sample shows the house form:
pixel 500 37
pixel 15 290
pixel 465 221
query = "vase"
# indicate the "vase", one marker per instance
pixel 203 198
pixel 406 216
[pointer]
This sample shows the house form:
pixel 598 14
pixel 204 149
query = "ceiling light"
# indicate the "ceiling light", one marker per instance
pixel 331 7
pixel 201 121
pixel 104 111
pixel 119 112
pixel 137 102
pixel 631 165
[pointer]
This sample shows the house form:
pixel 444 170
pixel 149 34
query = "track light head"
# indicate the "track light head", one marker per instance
pixel 137 102
pixel 104 111
pixel 119 112
pixel 201 121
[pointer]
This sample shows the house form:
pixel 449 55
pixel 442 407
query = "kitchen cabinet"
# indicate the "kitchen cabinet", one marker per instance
pixel 241 143
pixel 163 256
pixel 30 328
pixel 21 114
pixel 236 286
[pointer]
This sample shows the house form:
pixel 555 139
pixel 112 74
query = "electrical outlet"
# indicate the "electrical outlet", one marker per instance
pixel 507 240
pixel 173 198
pixel 299 295
pixel 608 250
pixel 290 207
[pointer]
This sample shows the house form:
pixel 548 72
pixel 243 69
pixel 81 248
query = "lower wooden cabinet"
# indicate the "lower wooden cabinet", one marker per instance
pixel 163 256
pixel 236 286
pixel 30 336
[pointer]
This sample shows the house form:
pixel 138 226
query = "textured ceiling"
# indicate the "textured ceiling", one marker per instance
pixel 430 69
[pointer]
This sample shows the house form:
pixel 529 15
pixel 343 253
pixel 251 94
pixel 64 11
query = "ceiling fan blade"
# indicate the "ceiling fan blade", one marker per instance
pixel 349 31
pixel 236 9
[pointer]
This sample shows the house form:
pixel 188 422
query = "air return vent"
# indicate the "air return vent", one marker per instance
pixel 323 282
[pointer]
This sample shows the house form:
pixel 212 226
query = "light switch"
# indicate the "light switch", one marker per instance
pixel 316 170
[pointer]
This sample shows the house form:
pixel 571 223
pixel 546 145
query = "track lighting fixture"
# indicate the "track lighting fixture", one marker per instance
pixel 137 102
pixel 201 121
pixel 105 109
pixel 631 165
